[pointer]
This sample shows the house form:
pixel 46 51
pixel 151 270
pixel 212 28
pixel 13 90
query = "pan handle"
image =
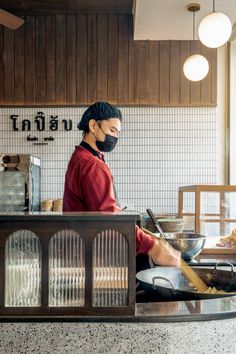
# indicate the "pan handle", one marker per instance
pixel 155 222
pixel 222 264
pixel 163 278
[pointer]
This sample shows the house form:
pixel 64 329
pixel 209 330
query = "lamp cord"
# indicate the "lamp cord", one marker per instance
pixel 213 5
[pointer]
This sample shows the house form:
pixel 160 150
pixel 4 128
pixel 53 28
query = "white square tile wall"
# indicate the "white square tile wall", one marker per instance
pixel 159 150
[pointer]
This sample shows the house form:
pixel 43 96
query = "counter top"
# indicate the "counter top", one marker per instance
pixel 69 216
pixel 172 311
pixel 212 259
pixel 179 311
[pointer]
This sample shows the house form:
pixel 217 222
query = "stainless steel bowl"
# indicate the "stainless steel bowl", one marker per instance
pixel 189 244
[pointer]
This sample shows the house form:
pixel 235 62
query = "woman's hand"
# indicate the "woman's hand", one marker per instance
pixel 163 254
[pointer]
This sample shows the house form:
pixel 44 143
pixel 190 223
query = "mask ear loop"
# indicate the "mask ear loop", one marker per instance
pixel 101 128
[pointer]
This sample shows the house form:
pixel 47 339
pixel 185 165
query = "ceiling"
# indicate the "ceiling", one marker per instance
pixel 81 6
pixel 170 19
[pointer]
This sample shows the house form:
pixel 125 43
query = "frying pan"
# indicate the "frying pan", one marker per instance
pixel 170 284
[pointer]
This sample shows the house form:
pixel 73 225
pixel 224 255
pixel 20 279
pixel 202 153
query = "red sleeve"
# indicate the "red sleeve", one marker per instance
pixel 143 241
pixel 98 190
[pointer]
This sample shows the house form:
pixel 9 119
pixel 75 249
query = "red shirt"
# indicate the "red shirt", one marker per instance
pixel 89 187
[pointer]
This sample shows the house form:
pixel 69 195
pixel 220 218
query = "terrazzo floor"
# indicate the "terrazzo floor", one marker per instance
pixel 208 337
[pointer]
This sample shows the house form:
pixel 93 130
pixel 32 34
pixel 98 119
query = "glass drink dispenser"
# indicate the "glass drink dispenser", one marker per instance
pixel 19 183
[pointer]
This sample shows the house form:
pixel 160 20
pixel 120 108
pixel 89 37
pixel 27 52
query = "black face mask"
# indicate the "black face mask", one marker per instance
pixel 108 144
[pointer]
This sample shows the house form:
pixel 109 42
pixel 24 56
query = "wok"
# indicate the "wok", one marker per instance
pixel 170 284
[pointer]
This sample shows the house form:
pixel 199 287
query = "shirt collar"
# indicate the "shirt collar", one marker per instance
pixel 94 152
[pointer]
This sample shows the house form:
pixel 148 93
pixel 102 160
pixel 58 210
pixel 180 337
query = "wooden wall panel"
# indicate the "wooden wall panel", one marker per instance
pixel 102 58
pixel 112 54
pixel 206 84
pixel 153 74
pixel 1 65
pixel 123 59
pixel 184 83
pixel 164 72
pixel 77 59
pixel 133 71
pixel 82 59
pixel 29 60
pixel 40 93
pixel 142 72
pixel 213 86
pixel 50 60
pixel 195 87
pixel 71 60
pixel 9 66
pixel 20 65
pixel 61 59
pixel 174 72
pixel 92 58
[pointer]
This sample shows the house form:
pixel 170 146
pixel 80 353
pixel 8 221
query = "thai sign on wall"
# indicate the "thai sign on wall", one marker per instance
pixel 40 122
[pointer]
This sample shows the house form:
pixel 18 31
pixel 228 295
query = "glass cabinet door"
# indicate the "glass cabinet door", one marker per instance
pixel 110 269
pixel 22 269
pixel 66 269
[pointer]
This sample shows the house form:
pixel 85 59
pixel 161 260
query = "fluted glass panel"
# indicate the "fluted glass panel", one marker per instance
pixel 110 269
pixel 66 269
pixel 23 269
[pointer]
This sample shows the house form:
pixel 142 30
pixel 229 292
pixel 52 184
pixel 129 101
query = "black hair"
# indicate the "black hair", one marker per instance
pixel 98 111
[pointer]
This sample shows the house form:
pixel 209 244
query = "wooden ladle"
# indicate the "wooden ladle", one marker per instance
pixel 192 276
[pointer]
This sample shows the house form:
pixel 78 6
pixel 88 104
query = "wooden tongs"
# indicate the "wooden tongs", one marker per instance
pixel 190 274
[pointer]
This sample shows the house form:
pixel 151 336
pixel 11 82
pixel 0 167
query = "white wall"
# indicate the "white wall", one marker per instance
pixel 159 150
pixel 233 112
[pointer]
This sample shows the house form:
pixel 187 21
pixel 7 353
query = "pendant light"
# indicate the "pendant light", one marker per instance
pixel 215 29
pixel 196 66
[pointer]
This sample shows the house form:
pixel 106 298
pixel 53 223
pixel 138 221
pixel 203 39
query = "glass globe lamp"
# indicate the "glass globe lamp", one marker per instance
pixel 214 30
pixel 196 67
